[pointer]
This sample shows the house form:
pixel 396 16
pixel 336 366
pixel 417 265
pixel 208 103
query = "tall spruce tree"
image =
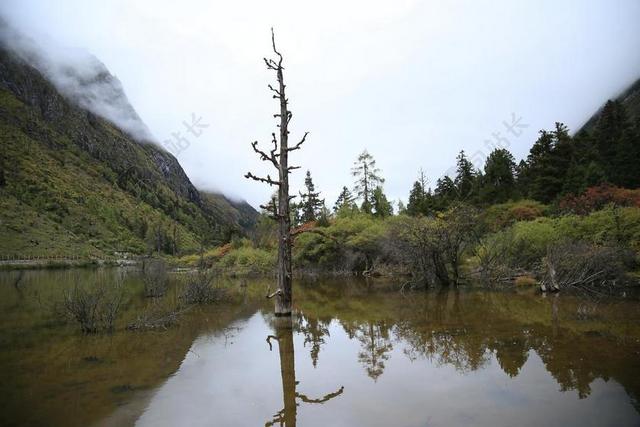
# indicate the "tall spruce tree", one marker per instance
pixel 382 208
pixel 618 144
pixel 344 202
pixel 310 202
pixel 445 193
pixel 543 183
pixel 498 181
pixel 548 164
pixel 420 199
pixel 465 180
pixel 367 177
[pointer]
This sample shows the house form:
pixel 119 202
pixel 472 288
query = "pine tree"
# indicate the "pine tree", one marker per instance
pixel 584 168
pixel 618 144
pixel 323 216
pixel 608 133
pixel 367 177
pixel 498 181
pixel 522 179
pixel 416 202
pixel 445 193
pixel 420 199
pixel 345 201
pixel 465 179
pixel 382 208
pixel 295 210
pixel 310 202
pixel 543 183
pixel 548 163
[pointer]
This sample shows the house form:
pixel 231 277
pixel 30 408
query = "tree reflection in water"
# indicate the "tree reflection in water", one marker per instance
pixel 467 330
pixel 376 346
pixel 314 331
pixel 288 414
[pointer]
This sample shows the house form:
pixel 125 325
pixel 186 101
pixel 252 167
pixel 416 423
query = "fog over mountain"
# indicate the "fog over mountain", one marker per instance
pixel 80 76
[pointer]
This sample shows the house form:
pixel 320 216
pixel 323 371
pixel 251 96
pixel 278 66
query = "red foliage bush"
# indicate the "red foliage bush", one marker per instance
pixel 598 197
pixel 223 250
pixel 304 227
pixel 525 213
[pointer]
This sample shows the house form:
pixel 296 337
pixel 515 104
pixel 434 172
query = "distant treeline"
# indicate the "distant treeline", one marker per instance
pixel 558 167
pixel 567 216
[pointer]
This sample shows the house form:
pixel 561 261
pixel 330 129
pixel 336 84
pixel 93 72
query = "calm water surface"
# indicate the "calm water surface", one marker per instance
pixel 355 354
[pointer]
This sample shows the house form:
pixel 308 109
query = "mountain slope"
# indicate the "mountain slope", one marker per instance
pixel 71 182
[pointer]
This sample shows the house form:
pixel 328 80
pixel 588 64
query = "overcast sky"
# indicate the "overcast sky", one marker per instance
pixel 413 82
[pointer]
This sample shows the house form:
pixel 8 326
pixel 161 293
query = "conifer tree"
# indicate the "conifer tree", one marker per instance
pixel 618 144
pixel 382 208
pixel 445 192
pixel 367 177
pixel 310 202
pixel 498 181
pixel 345 201
pixel 420 202
pixel 465 176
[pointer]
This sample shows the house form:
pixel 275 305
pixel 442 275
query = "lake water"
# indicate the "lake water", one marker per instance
pixel 356 353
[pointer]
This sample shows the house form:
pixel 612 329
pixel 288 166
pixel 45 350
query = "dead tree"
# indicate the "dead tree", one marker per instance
pixel 278 156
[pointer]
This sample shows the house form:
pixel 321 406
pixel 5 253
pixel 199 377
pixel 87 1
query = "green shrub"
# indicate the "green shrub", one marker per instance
pixel 525 243
pixel 351 243
pixel 247 259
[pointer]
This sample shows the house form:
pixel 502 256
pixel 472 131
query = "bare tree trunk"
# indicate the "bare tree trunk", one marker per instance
pixel 283 299
pixel 279 157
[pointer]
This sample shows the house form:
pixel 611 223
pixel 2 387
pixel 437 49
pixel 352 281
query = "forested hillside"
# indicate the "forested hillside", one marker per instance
pixel 74 184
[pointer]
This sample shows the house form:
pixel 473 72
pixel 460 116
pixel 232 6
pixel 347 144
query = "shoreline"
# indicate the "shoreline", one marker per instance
pixel 62 263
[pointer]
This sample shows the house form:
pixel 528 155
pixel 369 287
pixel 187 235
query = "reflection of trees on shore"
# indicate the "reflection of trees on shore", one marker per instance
pixel 314 331
pixel 466 329
pixel 511 353
pixel 456 348
pixel 438 330
pixel 375 344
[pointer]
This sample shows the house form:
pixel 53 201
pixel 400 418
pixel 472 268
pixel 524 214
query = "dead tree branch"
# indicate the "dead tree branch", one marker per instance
pixel 267 180
pixel 264 156
pixel 299 144
pixel 273 294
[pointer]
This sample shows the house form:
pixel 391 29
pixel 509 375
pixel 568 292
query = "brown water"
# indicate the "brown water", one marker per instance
pixel 356 354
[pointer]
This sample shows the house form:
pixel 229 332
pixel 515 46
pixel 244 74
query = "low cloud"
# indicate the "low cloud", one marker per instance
pixel 80 77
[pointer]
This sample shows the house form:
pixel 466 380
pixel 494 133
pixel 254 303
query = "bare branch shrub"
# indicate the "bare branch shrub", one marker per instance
pixel 154 276
pixel 199 288
pixel 93 307
pixel 434 247
pixel 587 267
pixel 156 317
